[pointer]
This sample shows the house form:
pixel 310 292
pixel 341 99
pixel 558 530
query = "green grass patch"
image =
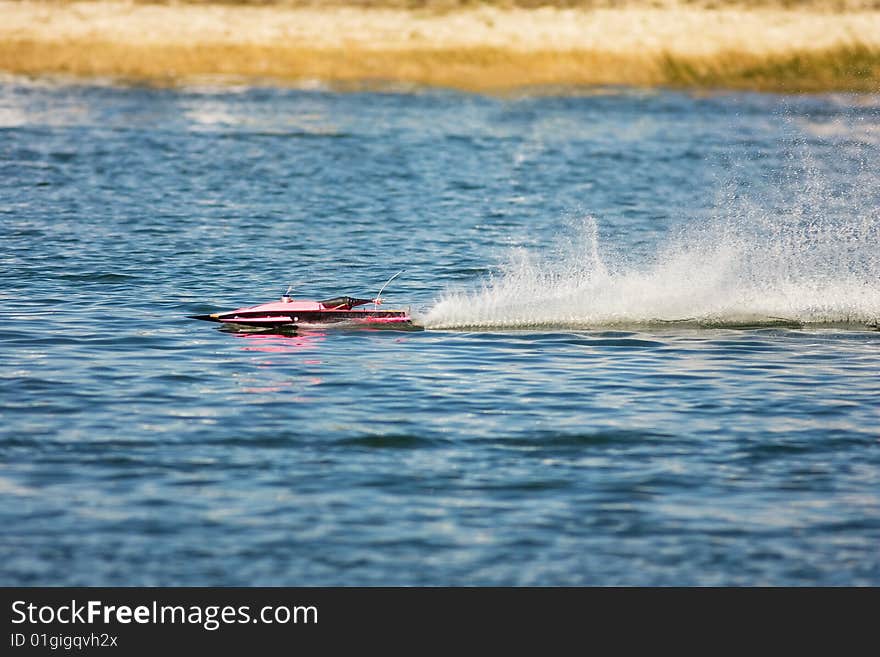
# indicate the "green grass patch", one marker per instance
pixel 853 67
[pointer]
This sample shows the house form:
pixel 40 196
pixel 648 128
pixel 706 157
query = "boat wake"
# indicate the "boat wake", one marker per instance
pixel 750 269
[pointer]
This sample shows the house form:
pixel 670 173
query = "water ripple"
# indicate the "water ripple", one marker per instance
pixel 679 390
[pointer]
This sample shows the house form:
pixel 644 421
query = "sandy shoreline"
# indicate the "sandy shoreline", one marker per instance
pixel 484 48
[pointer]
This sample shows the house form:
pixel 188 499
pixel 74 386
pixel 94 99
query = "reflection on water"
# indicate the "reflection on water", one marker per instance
pixel 280 343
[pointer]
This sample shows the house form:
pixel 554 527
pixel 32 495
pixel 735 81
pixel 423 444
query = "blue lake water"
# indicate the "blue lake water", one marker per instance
pixel 648 359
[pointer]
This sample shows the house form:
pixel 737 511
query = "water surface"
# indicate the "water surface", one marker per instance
pixel 648 357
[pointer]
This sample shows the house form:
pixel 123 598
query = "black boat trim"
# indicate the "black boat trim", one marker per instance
pixel 344 303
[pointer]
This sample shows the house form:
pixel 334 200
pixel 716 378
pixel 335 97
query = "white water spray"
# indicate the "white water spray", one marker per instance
pixel 752 267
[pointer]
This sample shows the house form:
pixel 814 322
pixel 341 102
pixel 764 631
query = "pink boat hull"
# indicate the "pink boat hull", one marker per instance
pixel 291 313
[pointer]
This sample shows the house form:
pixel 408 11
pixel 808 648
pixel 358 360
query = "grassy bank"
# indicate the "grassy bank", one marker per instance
pixel 847 68
pixel 455 5
pixel 485 49
pixel 851 67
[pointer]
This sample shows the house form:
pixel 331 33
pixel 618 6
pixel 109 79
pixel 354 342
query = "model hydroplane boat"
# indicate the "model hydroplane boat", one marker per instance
pixel 290 313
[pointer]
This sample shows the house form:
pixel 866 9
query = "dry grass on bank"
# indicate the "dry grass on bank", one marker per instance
pixel 487 49
pixel 847 68
pixel 453 5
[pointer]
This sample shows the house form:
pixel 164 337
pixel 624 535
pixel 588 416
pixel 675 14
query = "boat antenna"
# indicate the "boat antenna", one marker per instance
pixel 382 289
